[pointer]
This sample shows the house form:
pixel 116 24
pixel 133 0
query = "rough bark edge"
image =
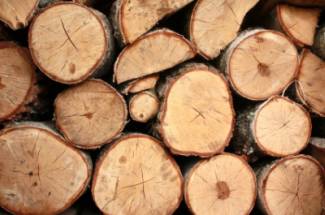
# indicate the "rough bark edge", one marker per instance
pixel 96 146
pixel 166 31
pixel 163 91
pixel 192 169
pixel 99 62
pixel 319 42
pixel 106 151
pixel 85 157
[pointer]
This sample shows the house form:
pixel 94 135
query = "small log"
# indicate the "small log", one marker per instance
pixel 196 116
pixel 214 184
pixel 141 84
pixel 40 173
pixel 90 114
pixel 144 106
pixel 260 63
pixel 154 52
pixel 317 149
pixel 125 182
pixel 214 24
pixel 319 42
pixel 133 18
pixel 311 81
pixel 279 127
pixel 70 42
pixel 18 87
pixel 292 185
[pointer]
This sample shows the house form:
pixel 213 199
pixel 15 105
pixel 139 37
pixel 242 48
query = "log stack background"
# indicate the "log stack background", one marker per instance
pixel 162 107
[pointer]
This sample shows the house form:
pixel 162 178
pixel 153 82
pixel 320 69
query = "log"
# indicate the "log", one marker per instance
pixel 278 127
pixel 311 81
pixel 260 63
pixel 310 3
pixel 319 42
pixel 132 185
pixel 141 84
pixel 133 18
pixel 18 87
pixel 143 106
pixel 90 114
pixel 317 149
pixel 152 53
pixel 291 185
pixel 196 116
pixel 70 42
pixel 40 173
pixel 214 24
pixel 213 185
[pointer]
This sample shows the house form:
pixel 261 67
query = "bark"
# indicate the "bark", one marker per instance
pixel 196 116
pixel 317 149
pixel 90 114
pixel 39 167
pixel 127 184
pixel 139 85
pixel 319 42
pixel 71 49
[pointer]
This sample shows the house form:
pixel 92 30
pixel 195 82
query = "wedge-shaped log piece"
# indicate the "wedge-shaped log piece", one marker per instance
pixel 141 84
pixel 136 176
pixel 40 173
pixel 154 52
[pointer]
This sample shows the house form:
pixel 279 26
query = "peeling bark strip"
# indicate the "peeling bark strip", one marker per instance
pixel 40 174
pixel 138 85
pixel 154 52
pixel 133 18
pixel 125 182
pixel 213 185
pixel 196 116
pixel 292 185
pixel 90 114
pixel 260 63
pixel 17 80
pixel 215 23
pixel 70 42
pixel 311 81
pixel 317 149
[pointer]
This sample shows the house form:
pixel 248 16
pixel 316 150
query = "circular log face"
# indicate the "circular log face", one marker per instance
pixel 68 42
pixel 197 114
pixel 90 114
pixel 281 127
pixel 143 106
pixel 40 174
pixel 17 76
pixel 136 176
pixel 261 64
pixel 311 82
pixel 293 185
pixel 224 184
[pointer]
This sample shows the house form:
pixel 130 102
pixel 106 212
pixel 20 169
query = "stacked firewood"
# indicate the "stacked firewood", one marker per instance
pixel 162 107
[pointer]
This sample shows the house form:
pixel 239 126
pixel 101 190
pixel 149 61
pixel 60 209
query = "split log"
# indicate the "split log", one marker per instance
pixel 17 81
pixel 125 182
pixel 90 114
pixel 279 127
pixel 70 42
pixel 144 106
pixel 133 18
pixel 292 185
pixel 40 173
pixel 319 42
pixel 214 184
pixel 214 24
pixel 317 149
pixel 311 81
pixel 142 84
pixel 154 52
pixel 196 116
pixel 260 63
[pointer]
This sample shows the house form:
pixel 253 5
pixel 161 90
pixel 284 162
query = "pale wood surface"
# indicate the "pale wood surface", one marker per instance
pixel 144 106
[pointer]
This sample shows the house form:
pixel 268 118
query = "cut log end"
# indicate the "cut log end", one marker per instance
pixel 311 82
pixel 17 79
pixel 143 106
pixel 261 63
pixel 281 127
pixel 152 53
pixel 138 188
pixel 90 114
pixel 38 171
pixel 297 182
pixel 69 42
pixel 196 116
pixel 141 84
pixel 212 185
